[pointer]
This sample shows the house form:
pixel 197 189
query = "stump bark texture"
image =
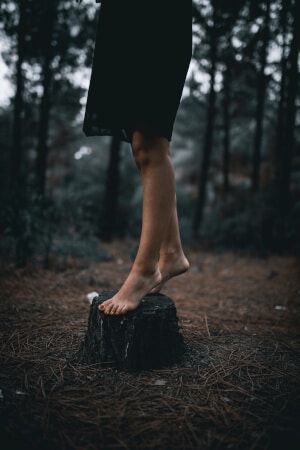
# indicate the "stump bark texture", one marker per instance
pixel 146 338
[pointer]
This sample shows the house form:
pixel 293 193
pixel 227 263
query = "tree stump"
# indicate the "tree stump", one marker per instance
pixel 146 338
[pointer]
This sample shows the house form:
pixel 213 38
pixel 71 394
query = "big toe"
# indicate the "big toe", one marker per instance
pixel 106 306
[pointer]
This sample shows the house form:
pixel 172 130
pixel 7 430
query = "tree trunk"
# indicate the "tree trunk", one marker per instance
pixel 42 146
pixel 281 119
pixel 290 113
pixel 208 139
pixel 111 192
pixel 260 105
pixel 146 338
pixel 17 145
pixel 226 127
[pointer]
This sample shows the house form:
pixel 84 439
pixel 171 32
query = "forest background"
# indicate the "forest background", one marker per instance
pixel 235 148
pixel 72 205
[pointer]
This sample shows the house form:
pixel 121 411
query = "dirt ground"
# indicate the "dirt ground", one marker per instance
pixel 236 388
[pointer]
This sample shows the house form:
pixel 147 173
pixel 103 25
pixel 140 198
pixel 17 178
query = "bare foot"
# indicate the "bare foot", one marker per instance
pixel 130 295
pixel 170 266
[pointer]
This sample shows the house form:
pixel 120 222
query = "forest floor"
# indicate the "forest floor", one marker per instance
pixel 236 388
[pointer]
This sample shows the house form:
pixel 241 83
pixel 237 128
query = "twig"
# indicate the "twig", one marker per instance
pixel 206 325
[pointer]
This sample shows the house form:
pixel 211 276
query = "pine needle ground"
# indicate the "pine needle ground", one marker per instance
pixel 237 387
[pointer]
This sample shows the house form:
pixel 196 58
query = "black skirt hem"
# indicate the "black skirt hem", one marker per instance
pixel 94 127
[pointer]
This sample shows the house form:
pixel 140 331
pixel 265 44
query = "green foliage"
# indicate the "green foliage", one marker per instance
pixel 254 224
pixel 29 221
pixel 35 227
pixel 84 247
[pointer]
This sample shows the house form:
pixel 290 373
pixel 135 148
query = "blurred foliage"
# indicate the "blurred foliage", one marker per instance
pixel 29 222
pixel 35 228
pixel 251 223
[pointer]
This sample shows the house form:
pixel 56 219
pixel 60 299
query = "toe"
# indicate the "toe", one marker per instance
pixel 114 309
pixel 104 305
pixel 107 306
pixel 123 309
pixel 119 310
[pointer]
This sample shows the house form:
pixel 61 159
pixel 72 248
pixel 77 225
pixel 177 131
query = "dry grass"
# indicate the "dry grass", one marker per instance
pixel 237 387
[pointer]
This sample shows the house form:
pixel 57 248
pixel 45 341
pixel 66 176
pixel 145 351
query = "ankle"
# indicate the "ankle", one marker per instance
pixel 171 254
pixel 145 270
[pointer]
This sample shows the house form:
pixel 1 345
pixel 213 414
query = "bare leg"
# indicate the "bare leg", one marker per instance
pixel 172 260
pixel 151 154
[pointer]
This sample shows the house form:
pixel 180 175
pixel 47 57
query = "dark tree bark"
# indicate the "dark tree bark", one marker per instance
pixel 146 338
pixel 290 112
pixel 281 123
pixel 42 146
pixel 108 225
pixel 226 128
pixel 208 139
pixel 17 146
pixel 260 104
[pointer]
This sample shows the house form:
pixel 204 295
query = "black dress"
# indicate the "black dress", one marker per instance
pixel 141 57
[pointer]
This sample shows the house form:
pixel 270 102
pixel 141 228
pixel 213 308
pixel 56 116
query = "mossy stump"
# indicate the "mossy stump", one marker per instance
pixel 146 338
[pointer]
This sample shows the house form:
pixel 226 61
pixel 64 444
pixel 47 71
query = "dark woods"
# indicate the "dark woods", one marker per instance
pixel 235 146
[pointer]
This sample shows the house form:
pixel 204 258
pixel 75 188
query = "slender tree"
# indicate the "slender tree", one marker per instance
pixel 47 75
pixel 260 102
pixel 209 130
pixel 17 144
pixel 285 8
pixel 226 124
pixel 49 37
pixel 217 27
pixel 290 111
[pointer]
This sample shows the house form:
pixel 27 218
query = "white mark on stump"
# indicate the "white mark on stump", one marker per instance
pixel 91 296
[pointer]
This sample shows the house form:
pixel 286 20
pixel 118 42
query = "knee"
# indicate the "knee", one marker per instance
pixel 149 150
pixel 142 151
